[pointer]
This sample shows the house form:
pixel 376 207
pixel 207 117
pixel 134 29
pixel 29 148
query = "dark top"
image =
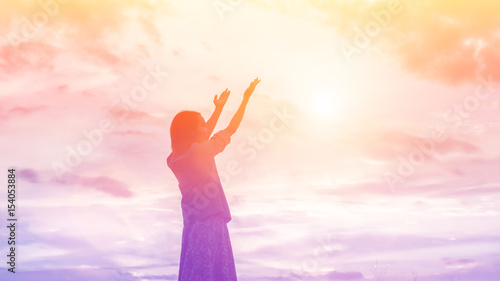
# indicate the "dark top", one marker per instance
pixel 199 181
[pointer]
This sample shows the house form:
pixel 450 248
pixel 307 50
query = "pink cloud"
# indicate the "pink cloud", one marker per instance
pixel 131 132
pixel 459 261
pixel 28 174
pixel 35 56
pixel 22 110
pixel 105 184
pixel 389 144
pixel 348 275
pixel 121 113
pixel 104 56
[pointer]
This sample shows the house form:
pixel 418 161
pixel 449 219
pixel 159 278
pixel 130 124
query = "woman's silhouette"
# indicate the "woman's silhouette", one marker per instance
pixel 206 252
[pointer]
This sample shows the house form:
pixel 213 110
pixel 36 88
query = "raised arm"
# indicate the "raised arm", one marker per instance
pixel 238 116
pixel 219 105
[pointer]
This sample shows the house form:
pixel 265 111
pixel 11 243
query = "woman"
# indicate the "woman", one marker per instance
pixel 206 252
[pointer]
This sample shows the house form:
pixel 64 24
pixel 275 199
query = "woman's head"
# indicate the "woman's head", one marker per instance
pixel 187 127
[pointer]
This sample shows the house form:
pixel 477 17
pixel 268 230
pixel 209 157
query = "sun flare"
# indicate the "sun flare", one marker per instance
pixel 325 104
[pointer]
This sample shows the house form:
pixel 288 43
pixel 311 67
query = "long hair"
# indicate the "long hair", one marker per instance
pixel 182 130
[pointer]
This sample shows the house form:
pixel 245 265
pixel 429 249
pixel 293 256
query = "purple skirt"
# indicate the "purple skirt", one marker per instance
pixel 206 252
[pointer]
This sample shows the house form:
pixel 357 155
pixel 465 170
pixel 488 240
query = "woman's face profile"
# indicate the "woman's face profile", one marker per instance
pixel 201 133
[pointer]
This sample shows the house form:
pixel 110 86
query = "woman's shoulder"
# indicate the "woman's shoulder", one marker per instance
pixel 175 156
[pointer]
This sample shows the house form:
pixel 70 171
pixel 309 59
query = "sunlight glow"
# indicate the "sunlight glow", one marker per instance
pixel 325 104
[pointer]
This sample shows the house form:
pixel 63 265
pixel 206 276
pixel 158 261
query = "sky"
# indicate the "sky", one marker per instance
pixel 368 151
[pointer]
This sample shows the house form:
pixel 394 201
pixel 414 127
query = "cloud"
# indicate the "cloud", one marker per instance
pixel 160 277
pixel 457 262
pixel 333 275
pixel 485 271
pixel 22 110
pixel 107 185
pixel 386 144
pixel 348 275
pixel 451 42
pixel 129 115
pixel 131 132
pixel 102 183
pixel 84 28
pixel 104 56
pixel 28 174
pixel 35 56
pixel 95 274
pixel 446 41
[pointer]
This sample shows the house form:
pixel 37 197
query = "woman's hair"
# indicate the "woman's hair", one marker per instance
pixel 182 130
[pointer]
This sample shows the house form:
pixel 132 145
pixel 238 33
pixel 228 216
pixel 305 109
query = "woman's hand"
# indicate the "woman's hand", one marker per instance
pixel 221 101
pixel 250 88
pixel 236 120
